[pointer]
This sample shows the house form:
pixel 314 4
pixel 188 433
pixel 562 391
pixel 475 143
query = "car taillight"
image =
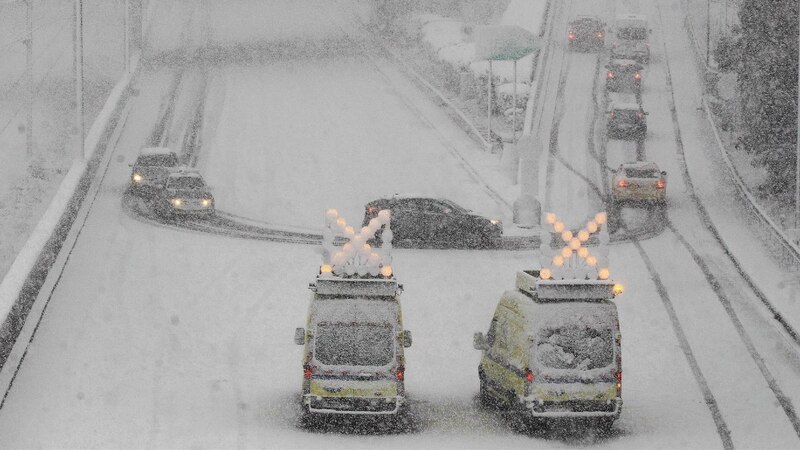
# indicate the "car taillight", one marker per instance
pixel 637 76
pixel 661 184
pixel 307 372
pixel 571 35
pixel 529 376
pixel 618 377
pixel 622 182
pixel 639 116
pixel 610 74
pixel 400 373
pixel 612 114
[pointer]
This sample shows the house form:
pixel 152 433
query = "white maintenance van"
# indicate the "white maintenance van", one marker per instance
pixel 354 341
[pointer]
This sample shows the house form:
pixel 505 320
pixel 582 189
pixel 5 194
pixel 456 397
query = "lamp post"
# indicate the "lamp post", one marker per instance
pixel 29 68
pixel 77 48
pixel 708 33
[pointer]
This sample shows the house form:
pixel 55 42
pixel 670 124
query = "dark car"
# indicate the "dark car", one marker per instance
pixel 437 223
pixel 150 171
pixel 185 193
pixel 624 75
pixel 586 32
pixel 626 120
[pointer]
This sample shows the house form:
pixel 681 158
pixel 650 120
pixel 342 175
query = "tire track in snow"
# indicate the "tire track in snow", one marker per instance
pixel 712 279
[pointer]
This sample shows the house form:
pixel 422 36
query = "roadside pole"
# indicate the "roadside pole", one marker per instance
pixel 489 108
pixel 29 68
pixel 77 48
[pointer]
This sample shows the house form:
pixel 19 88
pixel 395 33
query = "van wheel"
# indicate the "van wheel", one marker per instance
pixel 486 398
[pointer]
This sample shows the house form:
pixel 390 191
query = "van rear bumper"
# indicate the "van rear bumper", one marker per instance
pixel 574 408
pixel 353 405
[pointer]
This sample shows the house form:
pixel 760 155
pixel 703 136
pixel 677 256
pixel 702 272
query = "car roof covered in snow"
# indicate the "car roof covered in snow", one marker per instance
pixel 586 18
pixel 184 172
pixel 624 62
pixel 623 100
pixel 631 17
pixel 640 165
pixel 156 151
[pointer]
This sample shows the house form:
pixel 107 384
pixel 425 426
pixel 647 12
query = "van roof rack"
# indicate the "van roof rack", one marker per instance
pixel 528 281
pixel 369 287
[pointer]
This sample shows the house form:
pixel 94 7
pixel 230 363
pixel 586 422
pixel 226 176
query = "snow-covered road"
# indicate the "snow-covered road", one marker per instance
pixel 159 338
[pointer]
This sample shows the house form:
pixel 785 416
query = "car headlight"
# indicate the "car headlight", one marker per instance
pixel 176 201
pixel 494 222
pixel 206 202
pixel 137 177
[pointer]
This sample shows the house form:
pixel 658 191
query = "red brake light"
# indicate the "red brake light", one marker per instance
pixel 637 76
pixel 307 372
pixel 529 376
pixel 610 74
pixel 661 184
pixel 400 374
pixel 622 182
pixel 571 35
pixel 618 376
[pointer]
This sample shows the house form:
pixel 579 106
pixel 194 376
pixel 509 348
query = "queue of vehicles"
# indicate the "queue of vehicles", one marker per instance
pixel 173 190
pixel 636 181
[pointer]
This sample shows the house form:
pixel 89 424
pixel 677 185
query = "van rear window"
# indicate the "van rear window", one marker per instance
pixel 353 344
pixel 575 346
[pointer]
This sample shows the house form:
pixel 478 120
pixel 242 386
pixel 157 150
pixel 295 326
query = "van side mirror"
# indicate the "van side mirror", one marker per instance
pixel 663 173
pixel 406 338
pixel 479 342
pixel 300 336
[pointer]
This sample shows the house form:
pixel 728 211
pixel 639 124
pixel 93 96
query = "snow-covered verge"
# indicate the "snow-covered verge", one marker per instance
pixel 444 50
pixel 29 182
pixel 30 266
pixel 772 212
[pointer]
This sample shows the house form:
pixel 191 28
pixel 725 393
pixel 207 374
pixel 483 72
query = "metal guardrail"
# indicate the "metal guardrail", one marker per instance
pixel 790 248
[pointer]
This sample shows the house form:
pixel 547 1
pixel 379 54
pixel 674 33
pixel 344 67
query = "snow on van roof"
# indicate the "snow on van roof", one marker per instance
pixel 156 151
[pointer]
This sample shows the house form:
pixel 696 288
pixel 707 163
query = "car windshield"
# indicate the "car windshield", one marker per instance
pixel 166 160
pixel 354 344
pixel 575 346
pixel 186 183
pixel 632 34
pixel 642 173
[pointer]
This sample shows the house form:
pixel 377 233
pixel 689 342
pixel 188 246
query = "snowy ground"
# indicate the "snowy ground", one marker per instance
pixel 160 338
pixel 27 183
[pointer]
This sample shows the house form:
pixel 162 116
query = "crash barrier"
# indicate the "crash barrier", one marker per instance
pixel 790 251
pixel 20 286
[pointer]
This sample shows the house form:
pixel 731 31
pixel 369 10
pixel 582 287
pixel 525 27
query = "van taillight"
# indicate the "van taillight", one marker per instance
pixel 307 372
pixel 400 373
pixel 618 376
pixel 661 184
pixel 529 376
